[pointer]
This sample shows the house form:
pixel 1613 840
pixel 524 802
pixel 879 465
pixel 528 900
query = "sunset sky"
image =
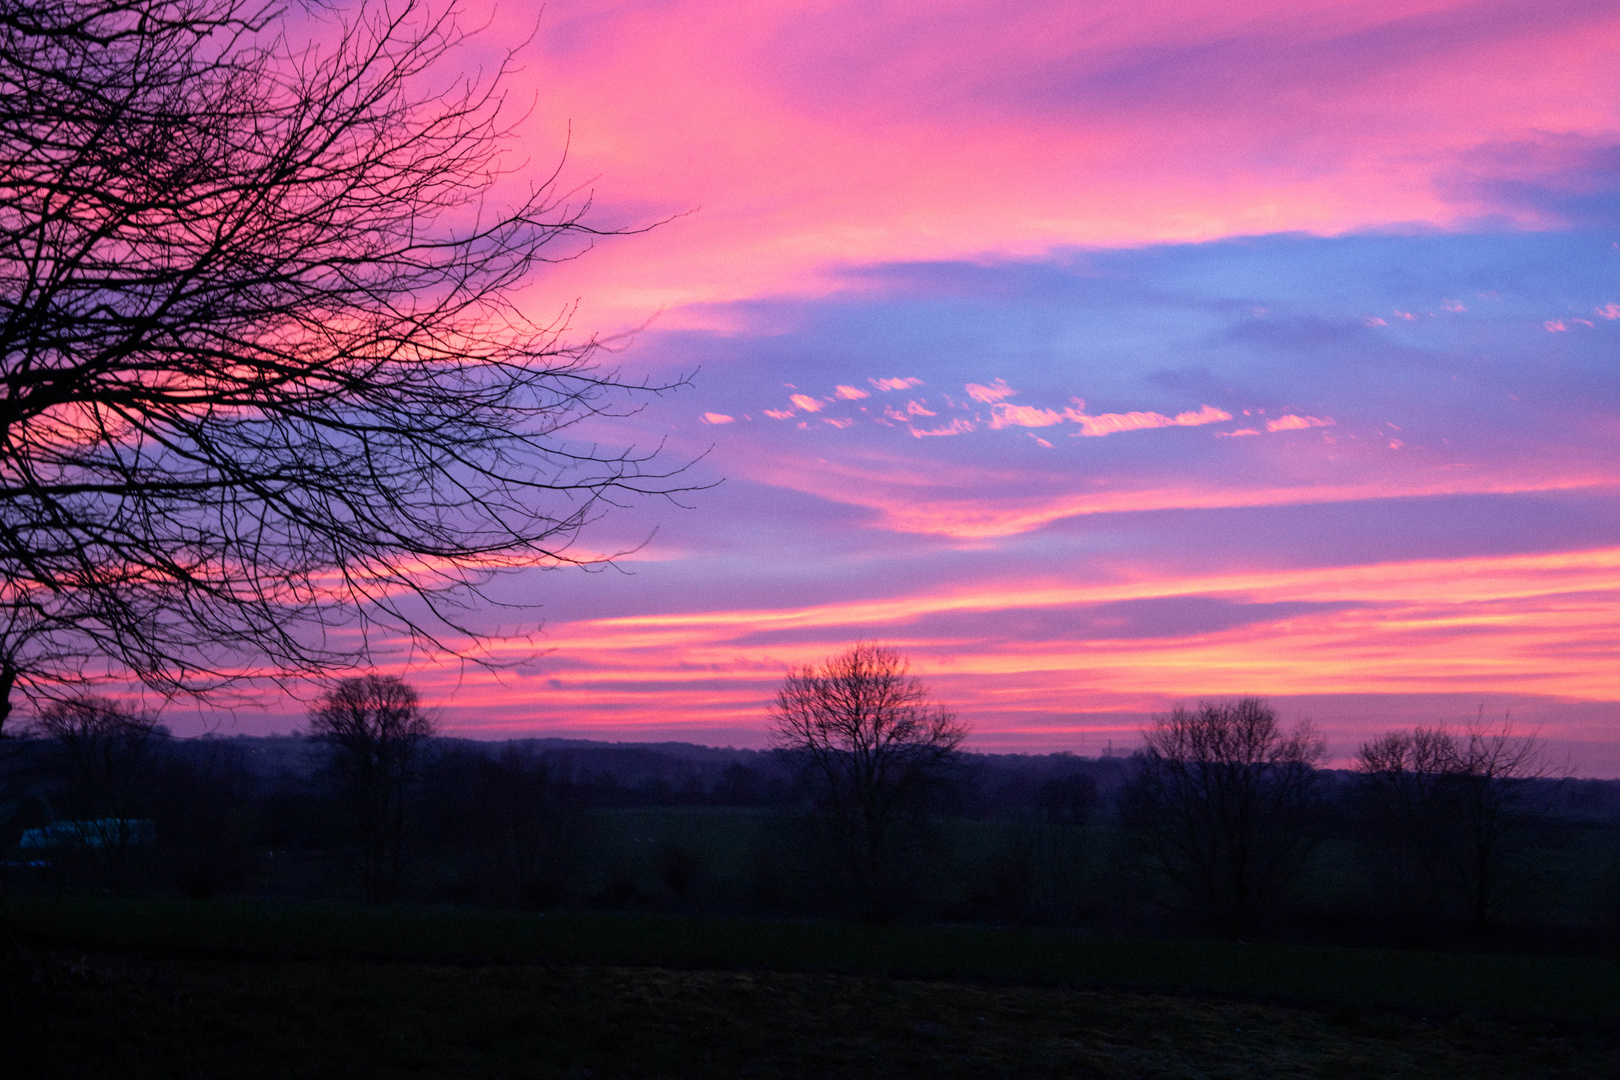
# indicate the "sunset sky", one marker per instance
pixel 1097 355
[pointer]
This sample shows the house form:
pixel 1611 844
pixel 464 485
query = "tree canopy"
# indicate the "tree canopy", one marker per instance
pixel 264 385
pixel 873 746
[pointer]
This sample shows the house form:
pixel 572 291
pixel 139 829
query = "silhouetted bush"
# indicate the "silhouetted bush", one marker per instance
pixel 678 867
pixel 1039 873
pixel 208 813
pixel 511 820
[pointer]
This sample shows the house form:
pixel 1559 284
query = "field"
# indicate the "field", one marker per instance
pixel 168 988
pixel 671 944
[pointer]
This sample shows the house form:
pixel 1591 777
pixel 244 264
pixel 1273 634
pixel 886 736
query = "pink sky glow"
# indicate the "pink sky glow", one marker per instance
pixel 1098 356
pixel 805 137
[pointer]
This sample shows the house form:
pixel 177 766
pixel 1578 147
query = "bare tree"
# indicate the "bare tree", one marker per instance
pixel 263 382
pixel 1445 809
pixel 375 727
pixel 1224 804
pixel 1407 808
pixel 873 747
pixel 107 767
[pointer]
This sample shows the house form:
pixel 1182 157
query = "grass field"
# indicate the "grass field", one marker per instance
pixel 236 988
pixel 1585 989
pixel 135 1015
pixel 1569 878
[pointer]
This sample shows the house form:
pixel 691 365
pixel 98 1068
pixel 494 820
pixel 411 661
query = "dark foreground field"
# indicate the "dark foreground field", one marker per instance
pixel 123 988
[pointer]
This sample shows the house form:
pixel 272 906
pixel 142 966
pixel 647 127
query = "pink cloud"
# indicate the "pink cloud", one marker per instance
pixel 779 414
pixel 958 426
pixel 913 408
pixel 1609 311
pixel 976 508
pixel 1110 423
pixel 1004 415
pixel 850 393
pixel 805 402
pixel 1095 427
pixel 1290 422
pixel 1208 414
pixel 996 391
pixel 717 418
pixel 1555 326
pixel 895 384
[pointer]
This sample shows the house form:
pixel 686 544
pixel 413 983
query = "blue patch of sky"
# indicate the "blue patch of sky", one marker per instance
pixel 1278 322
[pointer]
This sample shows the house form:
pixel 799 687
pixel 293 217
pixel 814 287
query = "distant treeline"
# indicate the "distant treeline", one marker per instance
pixel 1052 839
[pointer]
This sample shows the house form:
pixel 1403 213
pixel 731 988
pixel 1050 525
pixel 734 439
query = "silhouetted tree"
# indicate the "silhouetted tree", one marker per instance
pixel 106 765
pixel 375 727
pixel 873 748
pixel 1408 809
pixel 1224 804
pixel 261 370
pixel 1444 811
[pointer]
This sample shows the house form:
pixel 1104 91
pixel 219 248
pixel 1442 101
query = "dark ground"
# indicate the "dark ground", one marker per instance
pixel 124 988
pixel 140 1015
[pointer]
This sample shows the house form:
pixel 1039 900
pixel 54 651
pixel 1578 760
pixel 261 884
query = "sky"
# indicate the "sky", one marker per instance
pixel 1097 356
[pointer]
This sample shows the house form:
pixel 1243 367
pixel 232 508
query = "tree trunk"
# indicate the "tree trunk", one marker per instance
pixel 8 679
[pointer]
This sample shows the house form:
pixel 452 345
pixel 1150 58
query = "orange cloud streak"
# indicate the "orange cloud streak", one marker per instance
pixel 927 502
pixel 1534 624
